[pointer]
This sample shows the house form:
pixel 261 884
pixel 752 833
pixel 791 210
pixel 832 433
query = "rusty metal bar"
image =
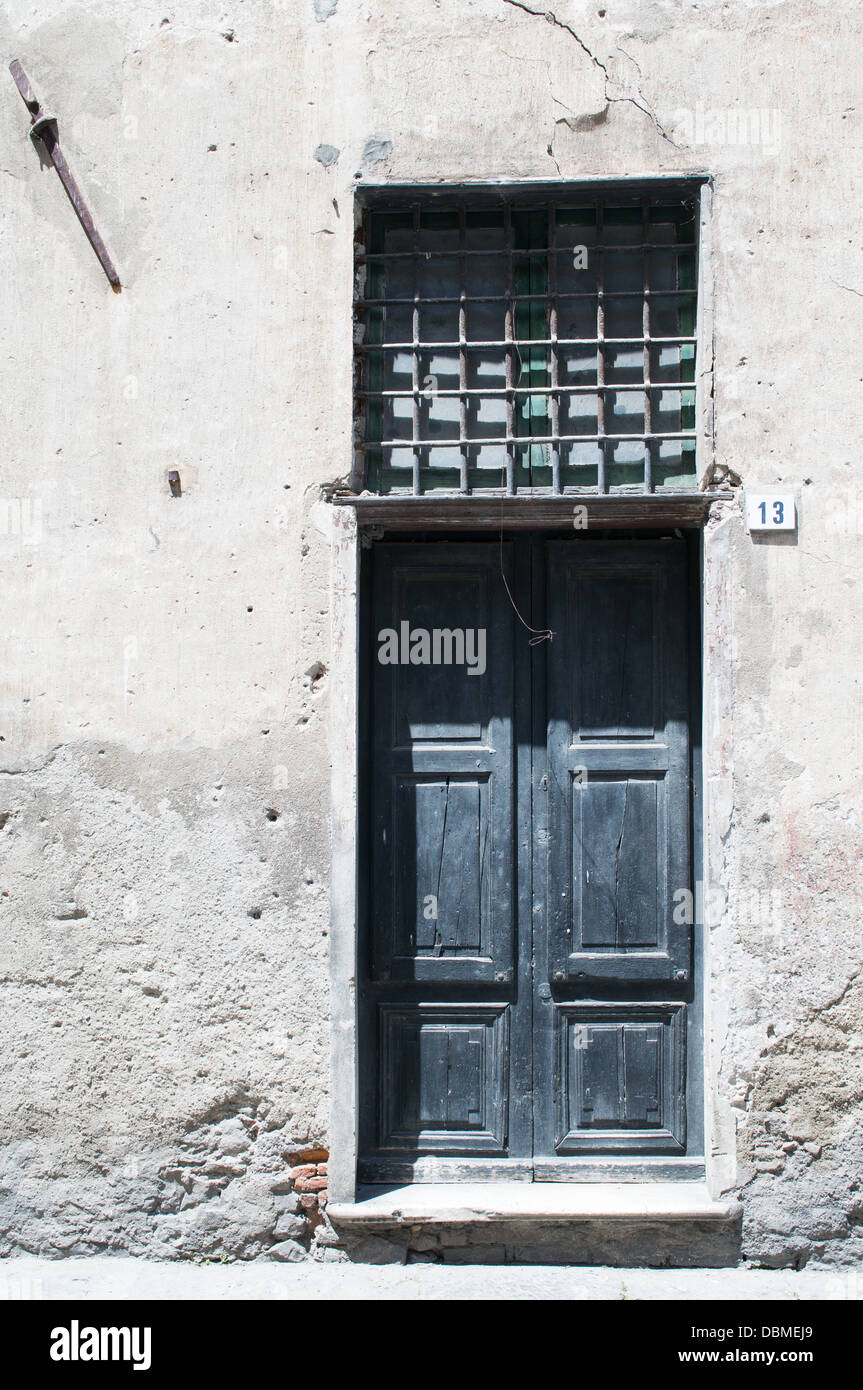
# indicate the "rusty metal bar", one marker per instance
pixel 536 342
pixel 600 355
pixel 462 351
pixel 645 332
pixel 633 387
pixel 512 439
pixel 501 298
pixel 553 389
pixel 508 325
pixel 606 246
pixel 43 127
pixel 416 481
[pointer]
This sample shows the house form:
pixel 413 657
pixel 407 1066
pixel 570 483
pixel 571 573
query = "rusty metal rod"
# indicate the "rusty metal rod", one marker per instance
pixel 686 437
pixel 43 127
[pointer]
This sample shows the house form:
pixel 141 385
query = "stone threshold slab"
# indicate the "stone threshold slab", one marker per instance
pixel 461 1203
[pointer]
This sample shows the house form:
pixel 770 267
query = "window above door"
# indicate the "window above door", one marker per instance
pixel 519 340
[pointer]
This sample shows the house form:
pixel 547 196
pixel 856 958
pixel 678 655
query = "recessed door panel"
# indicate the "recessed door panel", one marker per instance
pixel 441 840
pixel 443 1078
pixel 613 684
pixel 618 827
pixel 441 687
pixel 622 1073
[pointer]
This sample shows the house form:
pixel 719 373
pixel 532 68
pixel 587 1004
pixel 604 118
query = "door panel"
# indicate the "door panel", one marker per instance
pixel 442 872
pixel 618 762
pixel 440 829
pixel 615 838
pixel 444 1077
pixel 621 1069
pixel 612 690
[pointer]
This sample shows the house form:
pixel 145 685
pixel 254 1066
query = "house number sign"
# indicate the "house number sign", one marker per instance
pixel 770 511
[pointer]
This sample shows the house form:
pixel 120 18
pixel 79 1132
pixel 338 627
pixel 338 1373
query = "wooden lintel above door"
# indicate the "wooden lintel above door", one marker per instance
pixel 617 511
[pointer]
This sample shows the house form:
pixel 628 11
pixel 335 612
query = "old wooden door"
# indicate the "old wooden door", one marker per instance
pixel 526 954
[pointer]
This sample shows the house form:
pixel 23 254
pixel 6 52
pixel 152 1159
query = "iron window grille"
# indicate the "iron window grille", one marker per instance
pixel 542 346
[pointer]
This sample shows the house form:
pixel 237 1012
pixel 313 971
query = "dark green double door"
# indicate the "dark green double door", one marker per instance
pixel 525 967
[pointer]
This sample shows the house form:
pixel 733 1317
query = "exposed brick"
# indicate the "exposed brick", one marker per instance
pixel 310 1155
pixel 322 1169
pixel 302 1170
pixel 309 1201
pixel 305 1184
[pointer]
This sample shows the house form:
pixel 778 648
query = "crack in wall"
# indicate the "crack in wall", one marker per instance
pixel 551 18
pixel 832 1003
pixel 849 288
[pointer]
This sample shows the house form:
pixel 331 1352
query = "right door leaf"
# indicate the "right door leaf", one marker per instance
pixel 618 763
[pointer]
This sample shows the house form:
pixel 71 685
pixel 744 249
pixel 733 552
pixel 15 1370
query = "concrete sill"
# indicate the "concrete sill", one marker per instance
pixel 461 1203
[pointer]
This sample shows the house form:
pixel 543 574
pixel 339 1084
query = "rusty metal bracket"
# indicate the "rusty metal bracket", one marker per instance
pixel 43 127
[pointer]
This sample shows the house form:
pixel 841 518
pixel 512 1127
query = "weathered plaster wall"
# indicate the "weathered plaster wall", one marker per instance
pixel 165 789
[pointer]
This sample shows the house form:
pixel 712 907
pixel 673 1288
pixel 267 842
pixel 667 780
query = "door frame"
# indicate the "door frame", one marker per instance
pixel 350 532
